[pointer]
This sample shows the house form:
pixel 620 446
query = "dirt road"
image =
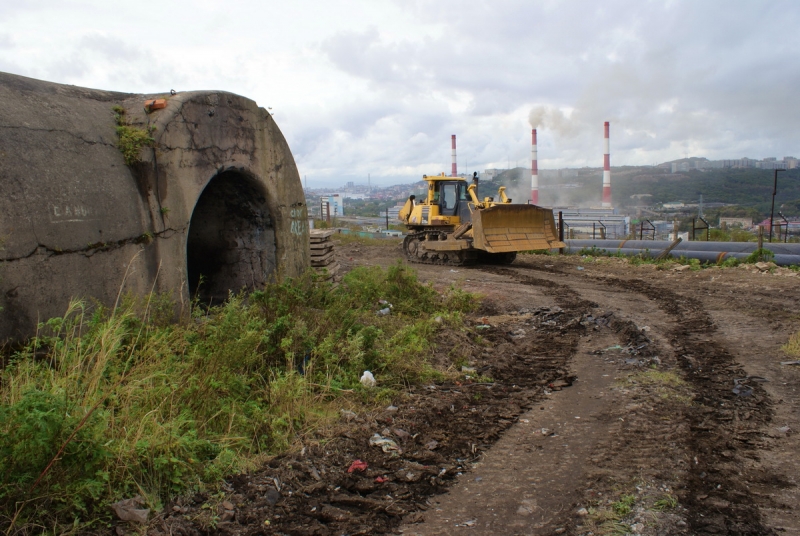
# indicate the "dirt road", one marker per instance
pixel 623 400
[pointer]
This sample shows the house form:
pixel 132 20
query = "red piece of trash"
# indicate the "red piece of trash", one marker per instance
pixel 380 479
pixel 357 465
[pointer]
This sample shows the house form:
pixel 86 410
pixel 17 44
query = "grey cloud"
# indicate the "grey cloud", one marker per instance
pixel 709 75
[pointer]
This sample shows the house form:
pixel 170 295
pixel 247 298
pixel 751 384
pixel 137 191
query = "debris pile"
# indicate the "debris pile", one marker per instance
pixel 323 258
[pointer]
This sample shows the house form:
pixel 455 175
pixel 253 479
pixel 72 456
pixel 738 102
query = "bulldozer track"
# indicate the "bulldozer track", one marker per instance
pixel 415 253
pixel 717 499
pixel 465 257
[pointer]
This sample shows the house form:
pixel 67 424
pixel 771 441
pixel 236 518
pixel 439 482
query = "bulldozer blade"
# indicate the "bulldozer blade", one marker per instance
pixel 506 228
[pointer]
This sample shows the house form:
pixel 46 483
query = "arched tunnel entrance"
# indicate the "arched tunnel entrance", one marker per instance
pixel 231 242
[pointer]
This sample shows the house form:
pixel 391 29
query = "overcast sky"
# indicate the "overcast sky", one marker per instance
pixel 377 87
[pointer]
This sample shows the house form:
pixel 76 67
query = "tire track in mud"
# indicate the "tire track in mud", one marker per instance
pixel 637 441
pixel 725 427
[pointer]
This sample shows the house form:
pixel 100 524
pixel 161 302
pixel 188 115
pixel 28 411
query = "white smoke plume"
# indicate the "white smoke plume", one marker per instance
pixel 555 119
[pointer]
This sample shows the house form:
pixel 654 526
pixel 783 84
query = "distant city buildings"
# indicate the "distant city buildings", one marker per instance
pixel 333 203
pixel 744 223
pixel 788 162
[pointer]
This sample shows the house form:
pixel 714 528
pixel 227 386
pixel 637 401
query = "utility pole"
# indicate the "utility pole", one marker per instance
pixel 772 212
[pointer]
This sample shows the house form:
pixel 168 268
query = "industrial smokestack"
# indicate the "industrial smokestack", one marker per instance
pixel 606 168
pixel 534 169
pixel 454 171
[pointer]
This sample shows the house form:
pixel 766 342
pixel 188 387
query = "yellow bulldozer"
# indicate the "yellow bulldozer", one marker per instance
pixel 452 226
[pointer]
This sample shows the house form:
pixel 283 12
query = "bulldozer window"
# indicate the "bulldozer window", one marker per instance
pixel 449 198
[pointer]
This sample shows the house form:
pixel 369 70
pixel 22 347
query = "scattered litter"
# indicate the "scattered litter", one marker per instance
pixel 478 478
pixel 380 479
pixel 759 379
pixel 483 326
pixel 615 347
pixel 348 415
pixel 545 431
pixel 367 379
pixel 580 268
pixel 454 271
pixel 470 523
pixel 432 444
pixel 518 334
pixel 384 312
pixel 784 429
pixel 582 512
pixel 438 319
pixel 387 445
pixel 465 368
pixel 742 390
pixel 386 303
pixel 401 434
pixel 525 421
pixel 130 510
pixel 790 362
pixel 392 408
pixel 357 465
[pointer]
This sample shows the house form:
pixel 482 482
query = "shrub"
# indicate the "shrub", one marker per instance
pixel 105 404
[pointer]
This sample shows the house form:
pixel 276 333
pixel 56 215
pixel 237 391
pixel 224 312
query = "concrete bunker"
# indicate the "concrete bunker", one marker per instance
pixel 213 191
pixel 231 240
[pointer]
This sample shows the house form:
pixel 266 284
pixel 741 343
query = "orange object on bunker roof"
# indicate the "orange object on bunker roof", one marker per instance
pixel 155 104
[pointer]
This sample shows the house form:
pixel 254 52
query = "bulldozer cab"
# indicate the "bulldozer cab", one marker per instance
pixel 453 199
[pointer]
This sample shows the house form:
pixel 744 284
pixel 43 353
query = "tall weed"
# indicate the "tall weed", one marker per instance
pixel 106 404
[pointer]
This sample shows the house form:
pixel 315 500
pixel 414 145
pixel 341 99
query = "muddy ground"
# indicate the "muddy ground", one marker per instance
pixel 612 399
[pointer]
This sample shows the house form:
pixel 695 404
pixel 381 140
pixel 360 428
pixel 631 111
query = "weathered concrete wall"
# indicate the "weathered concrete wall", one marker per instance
pixel 217 196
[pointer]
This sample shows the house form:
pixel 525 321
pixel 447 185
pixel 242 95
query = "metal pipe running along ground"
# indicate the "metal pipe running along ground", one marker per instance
pixel 715 252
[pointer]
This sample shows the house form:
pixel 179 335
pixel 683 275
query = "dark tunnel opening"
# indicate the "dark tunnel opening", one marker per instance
pixel 231 242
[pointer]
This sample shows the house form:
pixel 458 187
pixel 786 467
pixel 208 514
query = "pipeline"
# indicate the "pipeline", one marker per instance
pixel 706 252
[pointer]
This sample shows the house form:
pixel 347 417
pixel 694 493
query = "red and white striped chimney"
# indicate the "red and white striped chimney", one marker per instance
pixel 606 168
pixel 454 171
pixel 534 169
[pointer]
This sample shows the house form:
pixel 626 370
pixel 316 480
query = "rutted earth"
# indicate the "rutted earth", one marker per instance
pixel 623 399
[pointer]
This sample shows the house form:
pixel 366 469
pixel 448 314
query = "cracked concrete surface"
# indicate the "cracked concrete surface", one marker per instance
pixel 75 221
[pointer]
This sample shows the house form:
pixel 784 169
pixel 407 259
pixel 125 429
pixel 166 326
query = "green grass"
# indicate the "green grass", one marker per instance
pixel 131 139
pixel 667 384
pixel 607 520
pixel 668 502
pixel 792 346
pixel 623 506
pixel 107 404
pixel 695 264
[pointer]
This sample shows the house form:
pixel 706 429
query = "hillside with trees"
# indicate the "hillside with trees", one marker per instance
pixel 748 190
